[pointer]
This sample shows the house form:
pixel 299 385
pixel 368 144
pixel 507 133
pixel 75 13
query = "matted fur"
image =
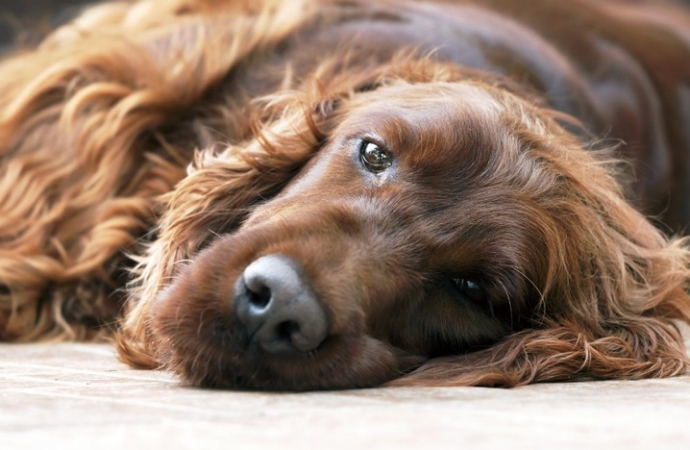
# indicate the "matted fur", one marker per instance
pixel 152 150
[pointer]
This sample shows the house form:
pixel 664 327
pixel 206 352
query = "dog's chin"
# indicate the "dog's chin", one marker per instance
pixel 339 364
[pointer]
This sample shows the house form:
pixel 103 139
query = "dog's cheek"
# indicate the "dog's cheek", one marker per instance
pixel 191 318
pixel 434 324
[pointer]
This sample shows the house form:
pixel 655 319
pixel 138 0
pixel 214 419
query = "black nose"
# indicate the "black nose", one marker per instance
pixel 277 307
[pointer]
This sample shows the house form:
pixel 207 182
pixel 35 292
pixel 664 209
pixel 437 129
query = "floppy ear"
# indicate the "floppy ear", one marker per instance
pixel 614 292
pixel 643 348
pixel 83 148
pixel 642 342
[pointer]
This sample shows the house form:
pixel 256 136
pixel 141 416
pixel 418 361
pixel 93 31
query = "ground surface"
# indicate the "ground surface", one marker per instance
pixel 75 396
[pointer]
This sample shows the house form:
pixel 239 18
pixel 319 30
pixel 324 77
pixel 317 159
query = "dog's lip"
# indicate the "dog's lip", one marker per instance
pixel 305 372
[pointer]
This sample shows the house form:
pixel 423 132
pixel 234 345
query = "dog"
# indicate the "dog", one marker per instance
pixel 331 194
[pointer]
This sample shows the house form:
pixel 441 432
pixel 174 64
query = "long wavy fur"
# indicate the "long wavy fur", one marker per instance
pixel 94 147
pixel 82 163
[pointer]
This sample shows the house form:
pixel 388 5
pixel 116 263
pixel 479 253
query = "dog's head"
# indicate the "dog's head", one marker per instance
pixel 444 230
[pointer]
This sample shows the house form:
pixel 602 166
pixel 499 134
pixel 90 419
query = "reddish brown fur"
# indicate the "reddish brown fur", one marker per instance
pixel 198 136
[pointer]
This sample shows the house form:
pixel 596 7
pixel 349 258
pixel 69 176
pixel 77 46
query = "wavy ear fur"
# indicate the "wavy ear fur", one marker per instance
pixel 221 186
pixel 83 153
pixel 614 295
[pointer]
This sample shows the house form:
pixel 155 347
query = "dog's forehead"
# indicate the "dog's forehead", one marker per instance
pixel 405 113
pixel 429 100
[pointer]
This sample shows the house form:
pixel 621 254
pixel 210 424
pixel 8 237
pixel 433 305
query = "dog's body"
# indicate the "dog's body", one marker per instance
pixel 380 188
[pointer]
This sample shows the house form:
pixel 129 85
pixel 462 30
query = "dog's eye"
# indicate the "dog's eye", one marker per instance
pixel 469 289
pixel 374 158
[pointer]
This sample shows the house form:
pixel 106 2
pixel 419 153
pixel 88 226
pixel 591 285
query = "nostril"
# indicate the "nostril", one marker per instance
pixel 259 298
pixel 285 330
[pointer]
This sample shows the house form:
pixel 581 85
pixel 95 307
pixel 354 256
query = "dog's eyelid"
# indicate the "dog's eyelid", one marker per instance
pixel 374 139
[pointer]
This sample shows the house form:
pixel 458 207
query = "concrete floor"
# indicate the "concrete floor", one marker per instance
pixel 75 396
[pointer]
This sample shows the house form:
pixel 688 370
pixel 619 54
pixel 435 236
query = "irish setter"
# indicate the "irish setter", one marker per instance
pixel 323 194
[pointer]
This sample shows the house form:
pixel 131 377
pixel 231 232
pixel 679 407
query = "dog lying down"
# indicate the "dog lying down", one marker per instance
pixel 327 194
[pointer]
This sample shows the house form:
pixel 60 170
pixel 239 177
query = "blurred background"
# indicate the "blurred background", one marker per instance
pixel 26 21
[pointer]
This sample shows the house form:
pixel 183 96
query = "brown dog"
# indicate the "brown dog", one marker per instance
pixel 334 194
